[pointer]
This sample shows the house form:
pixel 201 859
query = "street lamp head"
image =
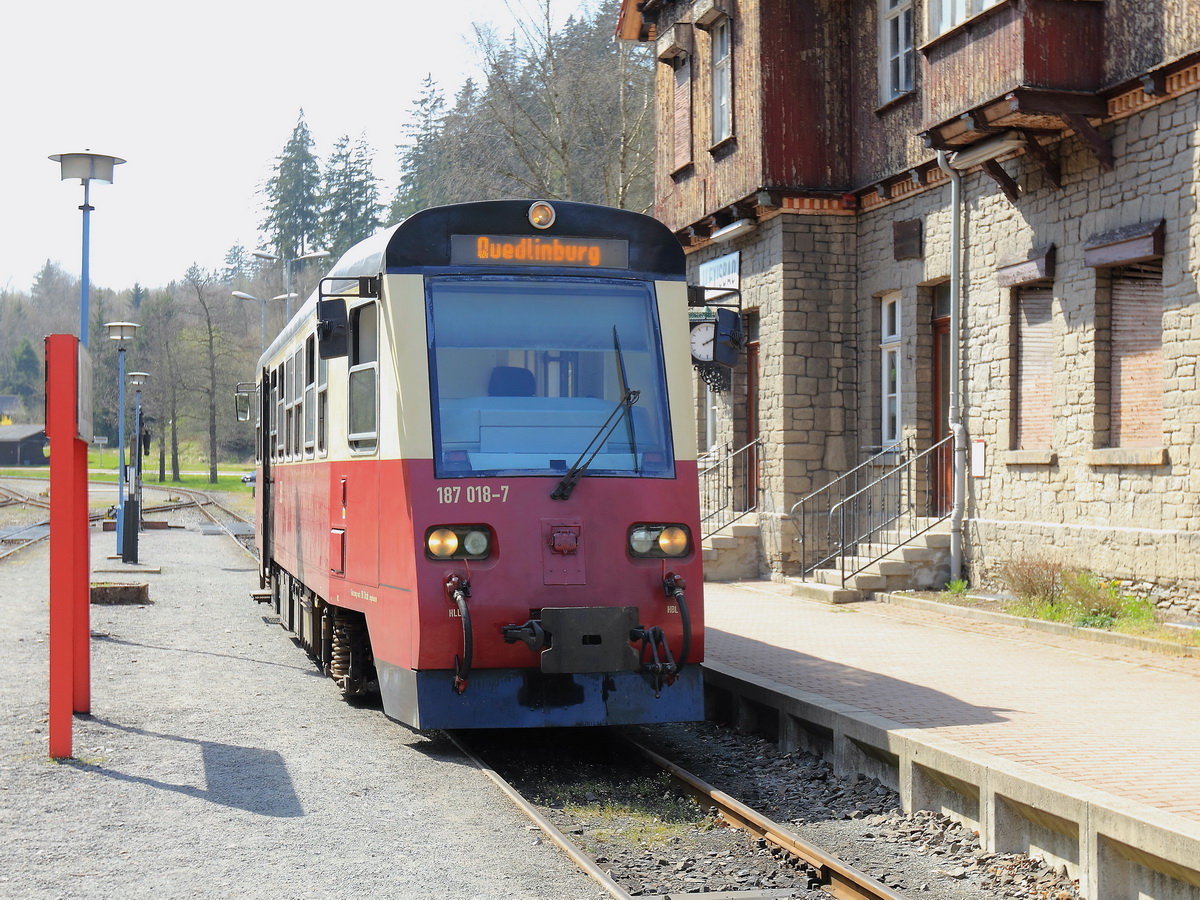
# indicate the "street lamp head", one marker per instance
pixel 265 254
pixel 315 254
pixel 291 296
pixel 137 379
pixel 87 166
pixel 121 331
pixel 242 295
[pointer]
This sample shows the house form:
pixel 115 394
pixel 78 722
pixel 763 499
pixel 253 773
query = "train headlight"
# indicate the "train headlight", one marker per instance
pixel 476 543
pixel 659 541
pixel 673 541
pixel 458 542
pixel 442 543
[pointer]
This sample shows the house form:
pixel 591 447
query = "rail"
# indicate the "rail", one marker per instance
pixel 877 507
pixel 728 487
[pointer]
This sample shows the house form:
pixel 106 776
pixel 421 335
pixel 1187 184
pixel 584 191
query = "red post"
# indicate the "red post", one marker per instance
pixel 70 633
pixel 81 587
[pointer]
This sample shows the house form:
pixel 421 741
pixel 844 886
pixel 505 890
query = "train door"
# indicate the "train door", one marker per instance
pixel 940 492
pixel 265 449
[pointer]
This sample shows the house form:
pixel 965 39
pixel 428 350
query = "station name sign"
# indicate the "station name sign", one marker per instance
pixel 516 250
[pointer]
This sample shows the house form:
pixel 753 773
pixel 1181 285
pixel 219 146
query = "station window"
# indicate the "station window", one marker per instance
pixel 1136 357
pixel 895 48
pixel 722 81
pixel 889 357
pixel 364 378
pixel 1034 388
pixel 947 14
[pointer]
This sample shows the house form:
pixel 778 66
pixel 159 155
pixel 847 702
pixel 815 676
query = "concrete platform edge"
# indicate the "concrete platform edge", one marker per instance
pixel 1115 847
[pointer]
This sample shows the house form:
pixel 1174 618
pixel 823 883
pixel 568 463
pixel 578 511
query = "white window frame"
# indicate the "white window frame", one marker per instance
pixel 890 380
pixel 896 53
pixel 722 80
pixel 364 363
pixel 945 15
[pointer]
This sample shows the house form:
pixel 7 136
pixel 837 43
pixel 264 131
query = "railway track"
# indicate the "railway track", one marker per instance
pixel 221 517
pixel 27 530
pixel 804 869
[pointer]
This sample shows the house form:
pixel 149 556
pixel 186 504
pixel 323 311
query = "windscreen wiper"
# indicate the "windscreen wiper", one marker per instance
pixel 579 467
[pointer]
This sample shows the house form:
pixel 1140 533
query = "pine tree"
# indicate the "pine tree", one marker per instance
pixel 237 264
pixel 293 207
pixel 352 210
pixel 420 160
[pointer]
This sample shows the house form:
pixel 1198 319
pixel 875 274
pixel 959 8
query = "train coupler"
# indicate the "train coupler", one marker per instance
pixel 661 668
pixel 531 634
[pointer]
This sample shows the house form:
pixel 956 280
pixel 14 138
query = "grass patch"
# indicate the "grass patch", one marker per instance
pixel 1051 591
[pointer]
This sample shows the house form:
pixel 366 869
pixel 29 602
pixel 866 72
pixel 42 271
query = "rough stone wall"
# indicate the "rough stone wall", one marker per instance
pixel 1108 513
pixel 797 277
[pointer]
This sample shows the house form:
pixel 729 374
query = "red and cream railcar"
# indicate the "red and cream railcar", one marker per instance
pixel 477 475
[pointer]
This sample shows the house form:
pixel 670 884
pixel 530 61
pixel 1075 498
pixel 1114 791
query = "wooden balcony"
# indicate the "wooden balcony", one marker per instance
pixel 1028 65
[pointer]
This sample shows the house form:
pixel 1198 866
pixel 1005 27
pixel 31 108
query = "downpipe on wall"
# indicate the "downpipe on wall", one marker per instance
pixel 958 476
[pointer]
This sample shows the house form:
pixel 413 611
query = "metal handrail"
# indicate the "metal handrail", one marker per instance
pixel 729 488
pixel 817 545
pixel 898 484
pixel 859 518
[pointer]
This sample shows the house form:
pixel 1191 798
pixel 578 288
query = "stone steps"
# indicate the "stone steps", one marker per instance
pixel 733 553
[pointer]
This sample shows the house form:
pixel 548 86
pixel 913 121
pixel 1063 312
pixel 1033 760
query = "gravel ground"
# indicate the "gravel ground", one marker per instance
pixel 218 761
pixel 856 819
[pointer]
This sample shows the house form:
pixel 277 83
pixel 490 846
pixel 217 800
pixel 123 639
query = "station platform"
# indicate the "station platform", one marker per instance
pixel 1082 753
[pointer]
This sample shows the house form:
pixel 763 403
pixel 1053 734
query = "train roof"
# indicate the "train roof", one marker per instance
pixel 423 239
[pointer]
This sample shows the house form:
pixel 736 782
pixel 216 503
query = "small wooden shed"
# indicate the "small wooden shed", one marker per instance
pixel 22 445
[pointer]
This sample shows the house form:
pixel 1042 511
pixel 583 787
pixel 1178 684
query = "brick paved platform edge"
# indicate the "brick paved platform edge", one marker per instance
pixel 1089 634
pixel 1116 848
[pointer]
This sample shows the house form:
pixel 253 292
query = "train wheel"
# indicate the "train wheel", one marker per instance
pixel 351 663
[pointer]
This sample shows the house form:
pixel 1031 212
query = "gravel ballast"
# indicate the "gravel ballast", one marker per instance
pixel 219 762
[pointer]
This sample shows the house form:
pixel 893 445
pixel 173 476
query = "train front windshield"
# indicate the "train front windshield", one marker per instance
pixel 527 373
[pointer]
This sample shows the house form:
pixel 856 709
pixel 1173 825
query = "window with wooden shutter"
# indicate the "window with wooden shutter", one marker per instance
pixel 681 118
pixel 1035 369
pixel 1136 412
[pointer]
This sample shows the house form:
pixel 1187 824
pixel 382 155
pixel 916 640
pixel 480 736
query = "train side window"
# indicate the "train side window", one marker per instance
pixel 298 402
pixel 364 377
pixel 322 404
pixel 289 407
pixel 309 399
pixel 277 403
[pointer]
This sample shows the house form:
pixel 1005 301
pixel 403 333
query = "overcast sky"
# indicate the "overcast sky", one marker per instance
pixel 200 98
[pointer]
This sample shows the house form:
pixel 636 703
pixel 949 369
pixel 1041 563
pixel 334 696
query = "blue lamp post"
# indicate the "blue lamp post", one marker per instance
pixel 133 521
pixel 121 332
pixel 87 167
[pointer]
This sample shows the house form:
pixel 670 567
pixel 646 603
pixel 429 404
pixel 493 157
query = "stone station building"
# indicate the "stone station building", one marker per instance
pixel 944 211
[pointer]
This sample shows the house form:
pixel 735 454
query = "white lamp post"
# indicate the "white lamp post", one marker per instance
pixel 287 263
pixel 87 167
pixel 242 295
pixel 120 332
